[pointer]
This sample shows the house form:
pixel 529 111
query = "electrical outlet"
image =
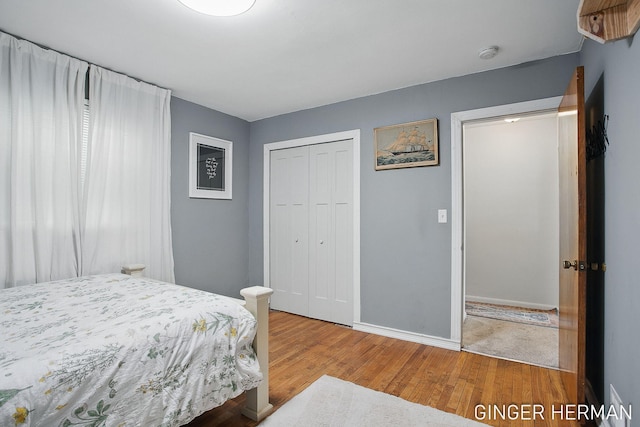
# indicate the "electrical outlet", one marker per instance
pixel 616 402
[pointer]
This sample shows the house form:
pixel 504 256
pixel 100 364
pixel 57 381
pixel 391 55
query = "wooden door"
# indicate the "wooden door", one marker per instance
pixel 573 209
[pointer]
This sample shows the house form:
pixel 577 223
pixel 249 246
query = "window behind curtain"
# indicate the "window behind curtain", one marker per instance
pixel 41 94
pixel 62 162
pixel 127 192
pixel 85 142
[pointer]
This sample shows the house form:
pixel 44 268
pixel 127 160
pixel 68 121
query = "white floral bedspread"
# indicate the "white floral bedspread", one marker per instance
pixel 114 350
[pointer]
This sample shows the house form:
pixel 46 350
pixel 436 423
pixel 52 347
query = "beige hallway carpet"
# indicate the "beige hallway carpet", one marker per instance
pixel 536 345
pixel 333 402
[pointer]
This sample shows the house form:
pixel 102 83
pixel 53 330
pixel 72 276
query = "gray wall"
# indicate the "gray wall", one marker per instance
pixel 405 253
pixel 617 66
pixel 210 240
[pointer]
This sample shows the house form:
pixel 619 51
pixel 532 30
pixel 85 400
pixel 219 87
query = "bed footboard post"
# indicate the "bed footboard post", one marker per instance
pixel 134 270
pixel 257 302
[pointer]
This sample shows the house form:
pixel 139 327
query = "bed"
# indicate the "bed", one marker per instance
pixel 124 350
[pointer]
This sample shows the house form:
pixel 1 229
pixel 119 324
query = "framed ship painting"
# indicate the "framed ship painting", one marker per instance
pixel 210 167
pixel 407 145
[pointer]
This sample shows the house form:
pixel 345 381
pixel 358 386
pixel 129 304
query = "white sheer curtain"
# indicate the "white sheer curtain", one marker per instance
pixel 41 95
pixel 127 186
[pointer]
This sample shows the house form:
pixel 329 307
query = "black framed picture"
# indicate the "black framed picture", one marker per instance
pixel 210 167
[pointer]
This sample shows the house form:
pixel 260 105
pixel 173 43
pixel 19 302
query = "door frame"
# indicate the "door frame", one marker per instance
pixel 457 233
pixel 354 136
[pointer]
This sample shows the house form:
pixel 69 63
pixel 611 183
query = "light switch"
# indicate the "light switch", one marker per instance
pixel 442 216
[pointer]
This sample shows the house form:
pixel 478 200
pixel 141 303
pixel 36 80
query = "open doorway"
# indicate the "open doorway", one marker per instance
pixel 510 223
pixel 458 273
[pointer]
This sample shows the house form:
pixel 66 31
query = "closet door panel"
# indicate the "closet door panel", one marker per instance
pixel 289 258
pixel 342 306
pixel 319 231
pixel 319 253
pixel 280 218
pixel 299 200
pixel 300 254
pixel 280 249
pixel 330 280
pixel 343 259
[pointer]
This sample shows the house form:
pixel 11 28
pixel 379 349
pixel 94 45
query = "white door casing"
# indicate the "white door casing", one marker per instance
pixel 457 267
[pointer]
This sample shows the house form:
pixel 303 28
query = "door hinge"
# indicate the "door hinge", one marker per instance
pixel 594 266
pixel 576 265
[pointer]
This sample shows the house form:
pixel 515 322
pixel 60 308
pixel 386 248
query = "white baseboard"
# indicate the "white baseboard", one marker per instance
pixel 497 301
pixel 407 336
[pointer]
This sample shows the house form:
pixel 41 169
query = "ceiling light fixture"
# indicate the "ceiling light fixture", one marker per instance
pixel 487 52
pixel 219 7
pixel 511 119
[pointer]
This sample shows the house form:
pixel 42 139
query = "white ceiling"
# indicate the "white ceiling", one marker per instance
pixel 288 55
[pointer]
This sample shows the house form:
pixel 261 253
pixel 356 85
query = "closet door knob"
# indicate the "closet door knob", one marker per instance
pixel 322 242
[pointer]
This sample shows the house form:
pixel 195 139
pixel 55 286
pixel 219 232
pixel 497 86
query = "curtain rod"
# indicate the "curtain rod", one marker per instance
pixel 40 45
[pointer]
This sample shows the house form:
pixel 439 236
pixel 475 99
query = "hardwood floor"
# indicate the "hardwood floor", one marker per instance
pixel 302 350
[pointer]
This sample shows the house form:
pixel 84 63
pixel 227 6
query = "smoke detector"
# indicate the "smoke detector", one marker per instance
pixel 488 52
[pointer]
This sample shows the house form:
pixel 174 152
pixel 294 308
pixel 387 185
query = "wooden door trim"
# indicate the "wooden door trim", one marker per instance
pixel 353 135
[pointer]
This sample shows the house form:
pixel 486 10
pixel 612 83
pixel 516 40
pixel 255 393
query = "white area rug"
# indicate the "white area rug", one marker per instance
pixel 333 402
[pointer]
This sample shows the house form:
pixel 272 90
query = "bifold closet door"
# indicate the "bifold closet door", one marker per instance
pixel 331 232
pixel 289 230
pixel 311 231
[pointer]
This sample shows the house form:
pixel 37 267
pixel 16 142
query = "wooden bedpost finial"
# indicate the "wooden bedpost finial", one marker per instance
pixel 257 302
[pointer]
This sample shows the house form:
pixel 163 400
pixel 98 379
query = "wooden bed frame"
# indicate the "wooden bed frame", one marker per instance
pixel 256 301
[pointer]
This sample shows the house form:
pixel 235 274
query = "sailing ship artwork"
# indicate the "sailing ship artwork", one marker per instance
pixel 407 145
